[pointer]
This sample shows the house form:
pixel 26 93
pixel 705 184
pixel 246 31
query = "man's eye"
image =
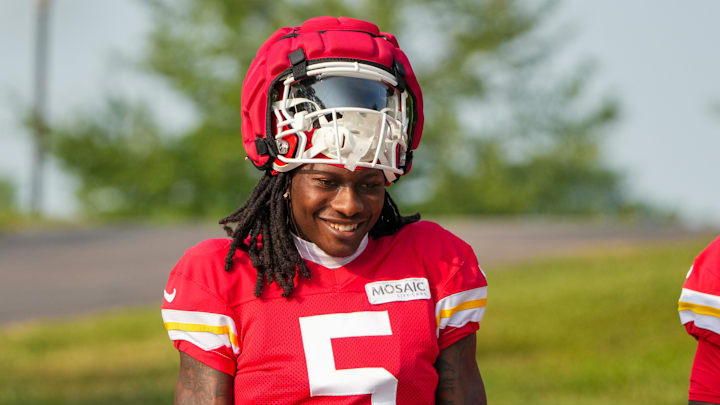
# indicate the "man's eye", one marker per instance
pixel 372 186
pixel 326 183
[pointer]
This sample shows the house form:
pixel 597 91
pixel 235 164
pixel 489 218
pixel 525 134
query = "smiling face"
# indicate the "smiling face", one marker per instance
pixel 335 208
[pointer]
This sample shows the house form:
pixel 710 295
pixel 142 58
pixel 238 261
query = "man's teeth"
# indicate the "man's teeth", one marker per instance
pixel 344 228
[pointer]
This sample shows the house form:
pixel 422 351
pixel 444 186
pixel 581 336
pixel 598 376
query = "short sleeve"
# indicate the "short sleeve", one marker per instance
pixel 198 320
pixel 699 303
pixel 461 298
pixel 705 375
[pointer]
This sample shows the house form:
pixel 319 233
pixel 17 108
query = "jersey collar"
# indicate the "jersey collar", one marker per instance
pixel 310 251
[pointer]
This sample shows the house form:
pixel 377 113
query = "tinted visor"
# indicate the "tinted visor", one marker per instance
pixel 341 91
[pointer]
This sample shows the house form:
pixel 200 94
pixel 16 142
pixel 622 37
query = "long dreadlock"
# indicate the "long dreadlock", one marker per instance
pixel 261 227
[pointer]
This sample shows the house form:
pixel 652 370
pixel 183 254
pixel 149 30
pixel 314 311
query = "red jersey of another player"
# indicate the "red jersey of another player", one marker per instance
pixel 365 329
pixel 699 308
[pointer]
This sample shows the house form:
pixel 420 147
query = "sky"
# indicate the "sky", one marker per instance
pixel 658 57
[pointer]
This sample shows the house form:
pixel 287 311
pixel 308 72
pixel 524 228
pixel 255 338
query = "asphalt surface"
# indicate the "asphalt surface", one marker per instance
pixel 65 272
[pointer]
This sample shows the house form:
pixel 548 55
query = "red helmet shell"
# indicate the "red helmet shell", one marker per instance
pixel 321 39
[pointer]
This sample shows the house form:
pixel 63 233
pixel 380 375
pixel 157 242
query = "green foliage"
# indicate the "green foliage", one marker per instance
pixel 128 169
pixel 7 196
pixel 8 204
pixel 597 328
pixel 504 132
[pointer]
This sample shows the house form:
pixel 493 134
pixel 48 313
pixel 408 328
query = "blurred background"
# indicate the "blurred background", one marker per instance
pixel 567 141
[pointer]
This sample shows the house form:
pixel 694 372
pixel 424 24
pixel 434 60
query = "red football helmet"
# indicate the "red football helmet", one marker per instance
pixel 334 90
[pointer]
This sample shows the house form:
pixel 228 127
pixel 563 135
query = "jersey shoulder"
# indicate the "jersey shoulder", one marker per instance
pixel 449 262
pixel 458 282
pixel 704 274
pixel 699 303
pixel 204 266
pixel 198 309
pixel 206 255
pixel 206 249
pixel 432 239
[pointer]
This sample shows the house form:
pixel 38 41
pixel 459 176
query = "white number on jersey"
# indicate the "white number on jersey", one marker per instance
pixel 324 378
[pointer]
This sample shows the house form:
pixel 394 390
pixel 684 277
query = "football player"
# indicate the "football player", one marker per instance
pixel 324 293
pixel 699 308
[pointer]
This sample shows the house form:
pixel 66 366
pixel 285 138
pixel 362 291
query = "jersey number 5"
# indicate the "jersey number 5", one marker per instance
pixel 324 378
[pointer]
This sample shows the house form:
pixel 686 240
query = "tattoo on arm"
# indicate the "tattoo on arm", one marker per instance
pixel 447 374
pixel 459 380
pixel 199 384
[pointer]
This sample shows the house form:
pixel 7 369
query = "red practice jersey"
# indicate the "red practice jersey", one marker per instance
pixel 363 330
pixel 699 308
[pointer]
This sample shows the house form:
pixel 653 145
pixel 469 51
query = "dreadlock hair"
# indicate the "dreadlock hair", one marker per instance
pixel 262 228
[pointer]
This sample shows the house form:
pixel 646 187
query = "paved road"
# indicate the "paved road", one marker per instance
pixel 67 272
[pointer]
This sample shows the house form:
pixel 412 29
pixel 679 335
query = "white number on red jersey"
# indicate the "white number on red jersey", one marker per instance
pixel 324 378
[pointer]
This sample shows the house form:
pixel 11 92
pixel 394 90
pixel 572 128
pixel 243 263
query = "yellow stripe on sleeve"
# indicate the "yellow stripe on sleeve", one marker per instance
pixel 699 309
pixel 448 313
pixel 198 327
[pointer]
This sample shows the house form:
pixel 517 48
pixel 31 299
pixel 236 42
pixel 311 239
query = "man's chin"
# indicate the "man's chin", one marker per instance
pixel 341 248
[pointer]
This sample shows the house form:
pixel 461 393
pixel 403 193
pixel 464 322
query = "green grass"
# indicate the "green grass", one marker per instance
pixel 112 358
pixel 599 328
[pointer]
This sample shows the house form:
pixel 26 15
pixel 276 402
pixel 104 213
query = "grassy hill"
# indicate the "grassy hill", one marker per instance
pixel 601 328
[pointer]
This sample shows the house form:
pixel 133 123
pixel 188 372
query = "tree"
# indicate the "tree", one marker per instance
pixel 8 203
pixel 501 136
pixel 7 196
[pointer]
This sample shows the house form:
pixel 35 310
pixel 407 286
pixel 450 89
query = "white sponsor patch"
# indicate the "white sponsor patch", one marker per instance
pixel 407 289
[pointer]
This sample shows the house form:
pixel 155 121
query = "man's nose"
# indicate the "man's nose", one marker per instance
pixel 347 202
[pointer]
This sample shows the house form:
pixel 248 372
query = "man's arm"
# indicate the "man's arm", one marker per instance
pixel 199 384
pixel 460 382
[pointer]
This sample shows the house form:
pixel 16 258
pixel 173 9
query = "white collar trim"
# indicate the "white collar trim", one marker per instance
pixel 310 251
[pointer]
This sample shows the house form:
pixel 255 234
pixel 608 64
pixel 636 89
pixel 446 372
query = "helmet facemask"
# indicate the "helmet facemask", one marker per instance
pixel 343 113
